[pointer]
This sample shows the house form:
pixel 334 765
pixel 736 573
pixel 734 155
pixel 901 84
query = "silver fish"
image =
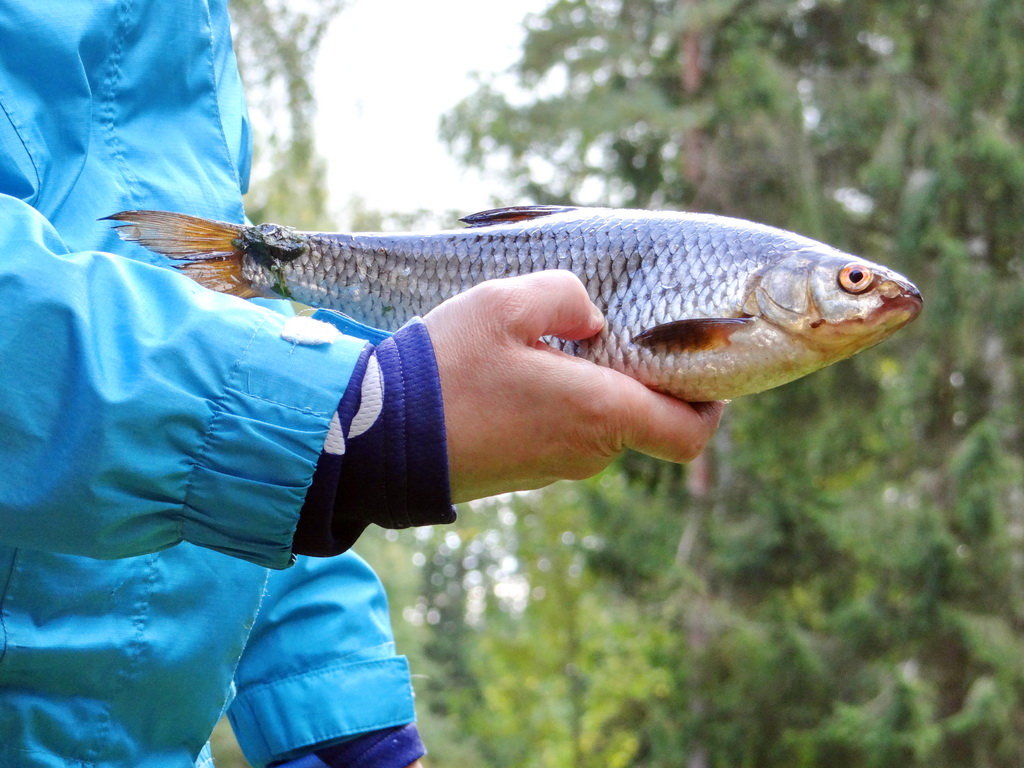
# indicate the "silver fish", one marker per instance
pixel 699 306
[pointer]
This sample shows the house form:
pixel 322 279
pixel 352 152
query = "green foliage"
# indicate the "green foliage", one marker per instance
pixel 847 590
pixel 276 43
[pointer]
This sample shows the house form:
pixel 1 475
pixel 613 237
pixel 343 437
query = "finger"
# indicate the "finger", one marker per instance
pixel 552 303
pixel 665 427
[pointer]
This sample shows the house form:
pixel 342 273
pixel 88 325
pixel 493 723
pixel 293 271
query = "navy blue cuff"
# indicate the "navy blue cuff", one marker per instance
pixel 388 748
pixel 400 464
pixel 386 459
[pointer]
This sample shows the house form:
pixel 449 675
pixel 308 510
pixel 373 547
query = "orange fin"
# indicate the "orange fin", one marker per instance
pixel 514 213
pixel 698 334
pixel 211 249
pixel 179 235
pixel 224 275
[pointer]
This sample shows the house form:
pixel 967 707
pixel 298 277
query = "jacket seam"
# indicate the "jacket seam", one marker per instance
pixel 216 407
pixel 108 110
pixel 245 691
pixel 3 603
pixel 69 762
pixel 213 95
pixel 37 186
pixel 270 401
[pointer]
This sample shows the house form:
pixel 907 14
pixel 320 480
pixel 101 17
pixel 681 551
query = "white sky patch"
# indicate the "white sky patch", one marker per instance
pixel 855 201
pixel 880 44
pixel 388 70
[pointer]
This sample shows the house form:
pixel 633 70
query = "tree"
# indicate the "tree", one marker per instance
pixel 277 44
pixel 851 585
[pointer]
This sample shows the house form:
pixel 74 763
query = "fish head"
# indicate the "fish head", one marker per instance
pixel 834 303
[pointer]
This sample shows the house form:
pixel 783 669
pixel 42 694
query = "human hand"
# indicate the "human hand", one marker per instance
pixel 520 414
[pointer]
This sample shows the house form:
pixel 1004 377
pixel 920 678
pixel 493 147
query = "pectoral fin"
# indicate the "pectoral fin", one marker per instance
pixel 698 334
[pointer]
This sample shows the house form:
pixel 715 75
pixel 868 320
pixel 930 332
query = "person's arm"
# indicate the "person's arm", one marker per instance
pixel 319 670
pixel 521 414
pixel 138 410
pixel 304 705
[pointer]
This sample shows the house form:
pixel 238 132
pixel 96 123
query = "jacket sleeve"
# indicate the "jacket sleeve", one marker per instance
pixel 385 460
pixel 320 664
pixel 138 410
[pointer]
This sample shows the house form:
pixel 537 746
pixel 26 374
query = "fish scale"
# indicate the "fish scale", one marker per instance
pixel 699 306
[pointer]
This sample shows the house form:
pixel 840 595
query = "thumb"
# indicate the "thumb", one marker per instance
pixel 554 303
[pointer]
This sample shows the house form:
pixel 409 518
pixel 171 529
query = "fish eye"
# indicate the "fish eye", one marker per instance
pixel 856 278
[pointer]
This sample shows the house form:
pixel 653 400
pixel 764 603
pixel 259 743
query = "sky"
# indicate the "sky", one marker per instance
pixel 388 70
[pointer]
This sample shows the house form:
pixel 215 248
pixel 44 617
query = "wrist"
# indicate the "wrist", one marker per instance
pixel 385 458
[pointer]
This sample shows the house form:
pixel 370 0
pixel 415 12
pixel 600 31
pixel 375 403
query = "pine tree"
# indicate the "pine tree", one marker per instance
pixel 848 591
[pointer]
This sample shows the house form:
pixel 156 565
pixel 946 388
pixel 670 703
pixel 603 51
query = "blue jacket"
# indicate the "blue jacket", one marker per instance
pixel 166 429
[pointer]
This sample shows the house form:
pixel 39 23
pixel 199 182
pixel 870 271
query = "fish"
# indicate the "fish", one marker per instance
pixel 699 306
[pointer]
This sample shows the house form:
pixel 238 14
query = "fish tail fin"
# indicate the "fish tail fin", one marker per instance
pixel 210 251
pixel 179 235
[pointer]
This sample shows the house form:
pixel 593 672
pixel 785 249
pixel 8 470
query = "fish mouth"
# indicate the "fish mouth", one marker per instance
pixel 899 305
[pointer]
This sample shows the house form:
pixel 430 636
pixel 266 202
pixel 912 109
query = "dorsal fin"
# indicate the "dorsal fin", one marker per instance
pixel 513 213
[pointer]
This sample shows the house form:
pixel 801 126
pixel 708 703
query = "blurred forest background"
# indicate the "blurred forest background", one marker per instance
pixel 840 581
